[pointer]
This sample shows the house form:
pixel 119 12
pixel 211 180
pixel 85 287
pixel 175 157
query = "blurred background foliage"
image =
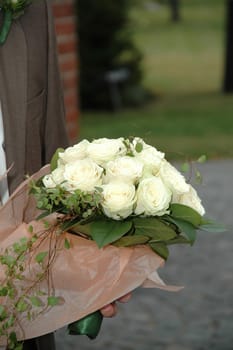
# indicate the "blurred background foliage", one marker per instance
pixel 173 95
pixel 107 53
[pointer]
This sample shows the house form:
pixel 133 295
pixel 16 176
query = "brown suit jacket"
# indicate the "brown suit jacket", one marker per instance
pixel 30 93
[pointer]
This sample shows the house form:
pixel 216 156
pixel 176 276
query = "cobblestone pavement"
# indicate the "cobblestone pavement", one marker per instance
pixel 200 317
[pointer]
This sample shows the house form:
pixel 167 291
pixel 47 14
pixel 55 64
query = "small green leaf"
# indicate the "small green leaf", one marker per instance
pixel 13 343
pixel 21 306
pixel 3 291
pixel 202 159
pixel 178 240
pixel 198 177
pixel 69 224
pixel 30 228
pixel 153 228
pixel 183 212
pixel 46 224
pixel 160 249
pixel 9 323
pixel 67 243
pixel 82 229
pixel 40 257
pixel 185 167
pixel 54 160
pixel 35 301
pixel 53 301
pixel 105 232
pixel 43 215
pixel 139 147
pixel 128 241
pixel 9 260
pixel 3 313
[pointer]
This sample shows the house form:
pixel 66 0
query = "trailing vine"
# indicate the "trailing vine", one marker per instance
pixel 26 273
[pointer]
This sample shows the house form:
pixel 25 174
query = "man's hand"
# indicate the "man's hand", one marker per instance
pixel 110 310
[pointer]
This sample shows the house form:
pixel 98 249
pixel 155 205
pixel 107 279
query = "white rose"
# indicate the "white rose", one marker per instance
pixel 58 175
pixel 83 174
pixel 149 156
pixel 71 154
pixel 104 150
pixel 124 168
pixel 48 181
pixel 118 200
pixel 173 178
pixel 55 178
pixel 153 197
pixel 191 199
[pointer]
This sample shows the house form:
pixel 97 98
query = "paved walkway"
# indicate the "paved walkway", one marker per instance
pixel 200 317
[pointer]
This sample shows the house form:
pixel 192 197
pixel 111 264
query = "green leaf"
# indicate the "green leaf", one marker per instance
pixel 3 313
pixel 82 229
pixel 185 213
pixel 139 147
pixel 160 249
pixel 202 159
pixel 8 260
pixel 35 301
pixel 185 167
pixel 178 240
pixel 30 229
pixel 53 301
pixel 3 291
pixel 128 241
pixel 212 226
pixel 198 177
pixel 53 163
pixel 186 228
pixel 69 224
pixel 67 243
pixel 21 306
pixel 43 215
pixel 105 232
pixel 40 257
pixel 13 343
pixel 10 322
pixel 19 346
pixel 153 228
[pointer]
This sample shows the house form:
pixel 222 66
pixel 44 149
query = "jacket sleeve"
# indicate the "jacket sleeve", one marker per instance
pixel 55 133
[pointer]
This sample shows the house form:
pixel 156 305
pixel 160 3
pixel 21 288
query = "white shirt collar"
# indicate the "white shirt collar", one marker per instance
pixel 4 193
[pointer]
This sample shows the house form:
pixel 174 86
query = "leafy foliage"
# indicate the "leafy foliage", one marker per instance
pixel 83 216
pixel 106 45
pixel 21 295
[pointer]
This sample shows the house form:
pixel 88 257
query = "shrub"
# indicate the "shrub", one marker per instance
pixel 106 45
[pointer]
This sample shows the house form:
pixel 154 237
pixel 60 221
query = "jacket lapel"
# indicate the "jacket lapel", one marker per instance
pixel 13 97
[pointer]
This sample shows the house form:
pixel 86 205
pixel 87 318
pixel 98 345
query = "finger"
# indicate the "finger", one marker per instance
pixel 109 310
pixel 125 298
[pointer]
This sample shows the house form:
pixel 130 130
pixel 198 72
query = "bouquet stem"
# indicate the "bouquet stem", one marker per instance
pixel 89 325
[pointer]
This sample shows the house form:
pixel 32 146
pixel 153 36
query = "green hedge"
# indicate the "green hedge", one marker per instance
pixel 106 44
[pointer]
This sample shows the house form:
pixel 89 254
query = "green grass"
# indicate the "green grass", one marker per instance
pixel 183 66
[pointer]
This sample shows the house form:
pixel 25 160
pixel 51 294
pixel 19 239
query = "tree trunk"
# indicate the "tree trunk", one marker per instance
pixel 175 10
pixel 228 74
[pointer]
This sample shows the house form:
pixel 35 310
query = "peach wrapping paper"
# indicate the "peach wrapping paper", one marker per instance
pixel 86 277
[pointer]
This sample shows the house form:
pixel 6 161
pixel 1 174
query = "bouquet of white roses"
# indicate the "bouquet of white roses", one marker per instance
pixel 123 192
pixel 106 211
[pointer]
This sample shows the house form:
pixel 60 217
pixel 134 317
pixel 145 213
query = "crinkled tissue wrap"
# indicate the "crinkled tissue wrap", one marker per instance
pixel 84 276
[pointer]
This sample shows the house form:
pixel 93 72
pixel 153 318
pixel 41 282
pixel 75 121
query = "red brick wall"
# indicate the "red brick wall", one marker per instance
pixel 65 25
